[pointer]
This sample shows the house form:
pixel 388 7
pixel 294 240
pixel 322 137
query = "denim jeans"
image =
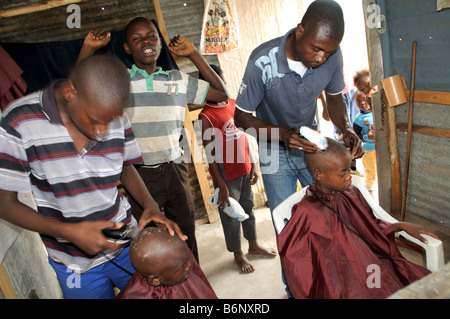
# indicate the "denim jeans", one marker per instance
pixel 280 171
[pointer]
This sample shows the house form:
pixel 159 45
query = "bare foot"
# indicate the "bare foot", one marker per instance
pixel 242 262
pixel 255 249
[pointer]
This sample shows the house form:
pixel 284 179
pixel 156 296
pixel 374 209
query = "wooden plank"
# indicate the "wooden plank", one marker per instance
pixel 5 285
pixel 425 130
pixel 194 114
pixel 375 56
pixel 160 19
pixel 200 171
pixel 36 7
pixel 396 177
pixel 433 97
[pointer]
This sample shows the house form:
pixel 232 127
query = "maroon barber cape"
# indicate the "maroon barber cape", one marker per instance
pixel 322 258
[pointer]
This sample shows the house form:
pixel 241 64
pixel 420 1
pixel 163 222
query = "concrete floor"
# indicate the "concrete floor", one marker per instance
pixel 223 274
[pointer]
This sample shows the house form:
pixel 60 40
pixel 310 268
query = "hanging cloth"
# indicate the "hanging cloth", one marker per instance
pixel 12 85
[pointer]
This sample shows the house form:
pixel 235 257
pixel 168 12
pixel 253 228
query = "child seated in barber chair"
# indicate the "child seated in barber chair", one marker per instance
pixel 334 247
pixel 165 269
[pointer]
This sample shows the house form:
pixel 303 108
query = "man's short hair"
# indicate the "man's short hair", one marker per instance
pixel 327 16
pixel 104 78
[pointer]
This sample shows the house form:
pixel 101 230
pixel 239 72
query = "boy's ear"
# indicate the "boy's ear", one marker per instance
pixel 126 47
pixel 318 174
pixel 69 91
pixel 154 280
pixel 187 267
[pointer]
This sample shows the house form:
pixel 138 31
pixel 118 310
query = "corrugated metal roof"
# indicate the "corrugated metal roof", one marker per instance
pixel 51 25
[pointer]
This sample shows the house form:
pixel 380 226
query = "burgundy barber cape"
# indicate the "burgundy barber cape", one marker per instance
pixel 196 286
pixel 322 258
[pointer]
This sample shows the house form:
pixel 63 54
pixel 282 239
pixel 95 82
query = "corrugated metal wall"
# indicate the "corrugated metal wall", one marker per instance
pixel 51 25
pixel 259 21
pixel 429 170
pixel 185 18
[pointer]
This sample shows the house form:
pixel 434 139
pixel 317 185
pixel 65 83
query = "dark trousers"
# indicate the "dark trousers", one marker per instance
pixel 241 190
pixel 168 184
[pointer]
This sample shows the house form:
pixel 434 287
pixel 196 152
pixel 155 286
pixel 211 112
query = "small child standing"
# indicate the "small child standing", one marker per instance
pixel 363 127
pixel 233 172
pixel 165 269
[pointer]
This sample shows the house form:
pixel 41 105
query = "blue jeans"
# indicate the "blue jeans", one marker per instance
pixel 96 283
pixel 280 170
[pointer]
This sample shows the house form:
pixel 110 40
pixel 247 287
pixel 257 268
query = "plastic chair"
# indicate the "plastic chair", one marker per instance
pixel 434 250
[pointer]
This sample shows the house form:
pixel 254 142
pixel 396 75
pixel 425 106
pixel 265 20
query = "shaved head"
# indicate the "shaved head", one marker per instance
pixel 325 159
pixel 331 168
pixel 157 255
pixel 102 78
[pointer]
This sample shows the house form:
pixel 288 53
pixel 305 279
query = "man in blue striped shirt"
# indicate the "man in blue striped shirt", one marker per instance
pixel 70 145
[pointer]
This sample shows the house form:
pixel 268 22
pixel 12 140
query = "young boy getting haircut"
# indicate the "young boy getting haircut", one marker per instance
pixel 165 269
pixel 333 237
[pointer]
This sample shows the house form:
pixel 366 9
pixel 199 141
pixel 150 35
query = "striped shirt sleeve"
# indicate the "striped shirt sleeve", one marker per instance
pixel 14 167
pixel 196 91
pixel 132 153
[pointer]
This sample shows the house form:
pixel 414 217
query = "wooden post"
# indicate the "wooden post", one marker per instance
pixel 197 159
pixel 410 123
pixel 160 19
pixel 396 177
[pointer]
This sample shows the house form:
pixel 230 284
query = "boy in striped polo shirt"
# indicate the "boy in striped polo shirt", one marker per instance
pixel 69 145
pixel 157 112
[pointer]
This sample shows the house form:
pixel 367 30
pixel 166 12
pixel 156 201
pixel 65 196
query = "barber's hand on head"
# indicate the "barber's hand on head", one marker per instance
pixel 89 238
pixel 293 140
pixel 160 221
pixel 96 39
pixel 356 149
pixel 181 46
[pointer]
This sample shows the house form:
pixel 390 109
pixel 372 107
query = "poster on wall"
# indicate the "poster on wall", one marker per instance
pixel 442 4
pixel 220 31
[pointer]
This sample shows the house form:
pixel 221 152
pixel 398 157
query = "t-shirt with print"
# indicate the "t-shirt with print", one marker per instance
pixel 157 110
pixel 279 95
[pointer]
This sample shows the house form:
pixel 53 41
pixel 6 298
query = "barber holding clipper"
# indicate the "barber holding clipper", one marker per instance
pixel 69 145
pixel 282 81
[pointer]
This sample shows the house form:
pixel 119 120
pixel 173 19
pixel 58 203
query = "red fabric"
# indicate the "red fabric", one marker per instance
pixel 196 286
pixel 12 86
pixel 323 259
pixel 237 163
